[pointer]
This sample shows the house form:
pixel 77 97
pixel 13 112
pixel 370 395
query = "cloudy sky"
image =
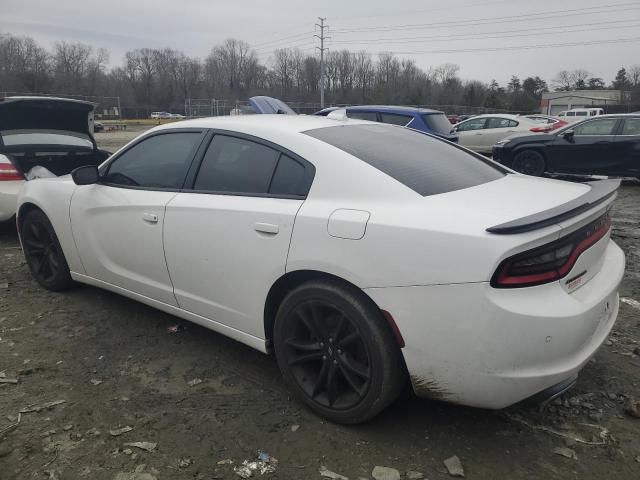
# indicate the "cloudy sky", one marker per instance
pixel 486 38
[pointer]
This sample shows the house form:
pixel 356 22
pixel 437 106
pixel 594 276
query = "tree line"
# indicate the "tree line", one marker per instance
pixel 163 78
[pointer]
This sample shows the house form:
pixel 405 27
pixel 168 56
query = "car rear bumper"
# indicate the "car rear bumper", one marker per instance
pixel 475 345
pixel 9 198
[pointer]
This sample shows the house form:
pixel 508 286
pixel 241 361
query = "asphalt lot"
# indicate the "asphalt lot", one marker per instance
pixel 205 400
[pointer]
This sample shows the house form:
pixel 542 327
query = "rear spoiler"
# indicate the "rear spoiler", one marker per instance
pixel 599 192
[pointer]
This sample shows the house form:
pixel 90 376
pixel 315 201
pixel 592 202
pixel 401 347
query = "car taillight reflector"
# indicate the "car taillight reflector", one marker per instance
pixel 539 129
pixel 9 172
pixel 550 262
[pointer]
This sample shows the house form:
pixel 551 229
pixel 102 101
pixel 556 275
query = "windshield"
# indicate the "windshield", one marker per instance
pixel 425 164
pixel 45 137
pixel 438 122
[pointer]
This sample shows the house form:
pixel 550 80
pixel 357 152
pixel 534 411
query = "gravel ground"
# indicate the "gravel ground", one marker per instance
pixel 114 364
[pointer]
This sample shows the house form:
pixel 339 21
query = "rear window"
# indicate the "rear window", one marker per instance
pixel 437 122
pixel 425 164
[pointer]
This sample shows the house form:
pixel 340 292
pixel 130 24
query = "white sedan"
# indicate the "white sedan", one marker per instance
pixel 482 132
pixel 362 254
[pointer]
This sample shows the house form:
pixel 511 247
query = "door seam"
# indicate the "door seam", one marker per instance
pixel 164 251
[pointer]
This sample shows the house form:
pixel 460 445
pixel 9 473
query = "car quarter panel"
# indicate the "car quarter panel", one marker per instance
pixel 53 197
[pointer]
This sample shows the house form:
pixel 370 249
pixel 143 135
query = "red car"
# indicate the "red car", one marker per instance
pixel 546 123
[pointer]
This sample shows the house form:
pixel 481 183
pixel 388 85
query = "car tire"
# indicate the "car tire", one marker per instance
pixel 529 162
pixel 43 252
pixel 337 353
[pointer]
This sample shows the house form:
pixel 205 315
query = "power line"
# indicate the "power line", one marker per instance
pixel 488 21
pixel 489 35
pixel 520 47
pixel 258 45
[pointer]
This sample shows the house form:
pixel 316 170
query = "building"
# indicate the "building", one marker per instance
pixel 553 103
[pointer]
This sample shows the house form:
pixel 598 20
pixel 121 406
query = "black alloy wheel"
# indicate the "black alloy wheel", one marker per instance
pixel 327 355
pixel 43 252
pixel 529 162
pixel 337 352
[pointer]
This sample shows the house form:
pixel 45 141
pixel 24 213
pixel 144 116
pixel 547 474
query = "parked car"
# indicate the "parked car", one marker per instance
pixel 604 145
pixel 98 127
pixel 362 254
pixel 421 119
pixel 577 114
pixel 160 115
pixel 177 116
pixel 482 132
pixel 546 123
pixel 54 133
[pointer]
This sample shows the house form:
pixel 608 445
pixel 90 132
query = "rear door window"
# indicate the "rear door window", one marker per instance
pixel 236 165
pixel 437 122
pixel 497 122
pixel 160 161
pixel 424 163
pixel 371 116
pixel 473 124
pixel 395 119
pixel 631 126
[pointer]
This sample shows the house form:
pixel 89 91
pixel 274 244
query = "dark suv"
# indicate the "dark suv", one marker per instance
pixel 422 119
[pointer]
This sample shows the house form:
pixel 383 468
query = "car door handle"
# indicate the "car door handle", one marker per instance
pixel 269 228
pixel 150 217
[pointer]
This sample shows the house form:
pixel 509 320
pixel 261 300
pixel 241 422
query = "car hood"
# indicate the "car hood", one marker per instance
pixel 46 114
pixel 262 104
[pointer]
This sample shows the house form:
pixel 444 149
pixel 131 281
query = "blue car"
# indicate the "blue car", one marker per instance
pixel 422 119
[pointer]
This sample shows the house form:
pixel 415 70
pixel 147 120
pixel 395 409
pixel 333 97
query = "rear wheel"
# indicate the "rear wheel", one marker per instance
pixel 43 252
pixel 337 353
pixel 529 162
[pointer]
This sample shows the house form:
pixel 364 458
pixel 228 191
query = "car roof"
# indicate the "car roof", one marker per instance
pixel 383 108
pixel 44 98
pixel 498 115
pixel 263 122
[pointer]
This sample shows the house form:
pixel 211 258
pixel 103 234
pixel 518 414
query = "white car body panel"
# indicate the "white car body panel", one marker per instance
pixel 483 140
pixel 9 198
pixel 212 259
pixel 223 255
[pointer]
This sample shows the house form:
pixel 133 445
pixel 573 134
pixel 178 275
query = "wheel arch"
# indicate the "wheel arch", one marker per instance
pixel 24 209
pixel 289 281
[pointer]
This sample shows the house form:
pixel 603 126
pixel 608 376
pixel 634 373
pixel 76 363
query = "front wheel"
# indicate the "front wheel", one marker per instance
pixel 337 353
pixel 43 252
pixel 529 162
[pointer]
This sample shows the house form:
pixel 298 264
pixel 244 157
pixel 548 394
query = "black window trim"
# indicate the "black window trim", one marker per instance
pixel 104 168
pixel 309 168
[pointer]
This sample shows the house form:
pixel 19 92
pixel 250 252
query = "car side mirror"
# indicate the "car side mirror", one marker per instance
pixel 568 134
pixel 87 175
pixel 454 130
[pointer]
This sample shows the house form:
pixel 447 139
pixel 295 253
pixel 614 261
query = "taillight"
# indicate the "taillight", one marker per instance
pixel 9 172
pixel 539 129
pixel 550 262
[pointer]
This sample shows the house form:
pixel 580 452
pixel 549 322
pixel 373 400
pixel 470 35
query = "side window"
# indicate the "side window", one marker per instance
pixel 289 178
pixel 497 122
pixel 371 116
pixel 473 124
pixel 160 161
pixel 596 127
pixel 631 126
pixel 571 114
pixel 236 165
pixel 395 119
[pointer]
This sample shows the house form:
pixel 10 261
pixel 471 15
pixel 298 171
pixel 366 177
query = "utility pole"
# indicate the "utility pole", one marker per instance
pixel 322 48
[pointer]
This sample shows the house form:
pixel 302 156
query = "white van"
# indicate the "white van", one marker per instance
pixel 577 114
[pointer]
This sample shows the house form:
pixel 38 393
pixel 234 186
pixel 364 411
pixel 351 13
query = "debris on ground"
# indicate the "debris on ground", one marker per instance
pixel 265 464
pixel 385 473
pixel 120 431
pixel 630 301
pixel 13 425
pixel 44 406
pixel 566 452
pixel 633 408
pixel 413 475
pixel 324 472
pixel 195 381
pixel 147 446
pixel 137 474
pixel 95 381
pixel 603 435
pixel 68 427
pixel 8 380
pixel 454 466
pixel 226 461
pixel 185 462
pixel 175 328
pixel 294 428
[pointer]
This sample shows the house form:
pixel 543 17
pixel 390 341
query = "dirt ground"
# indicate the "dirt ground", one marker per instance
pixel 112 363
